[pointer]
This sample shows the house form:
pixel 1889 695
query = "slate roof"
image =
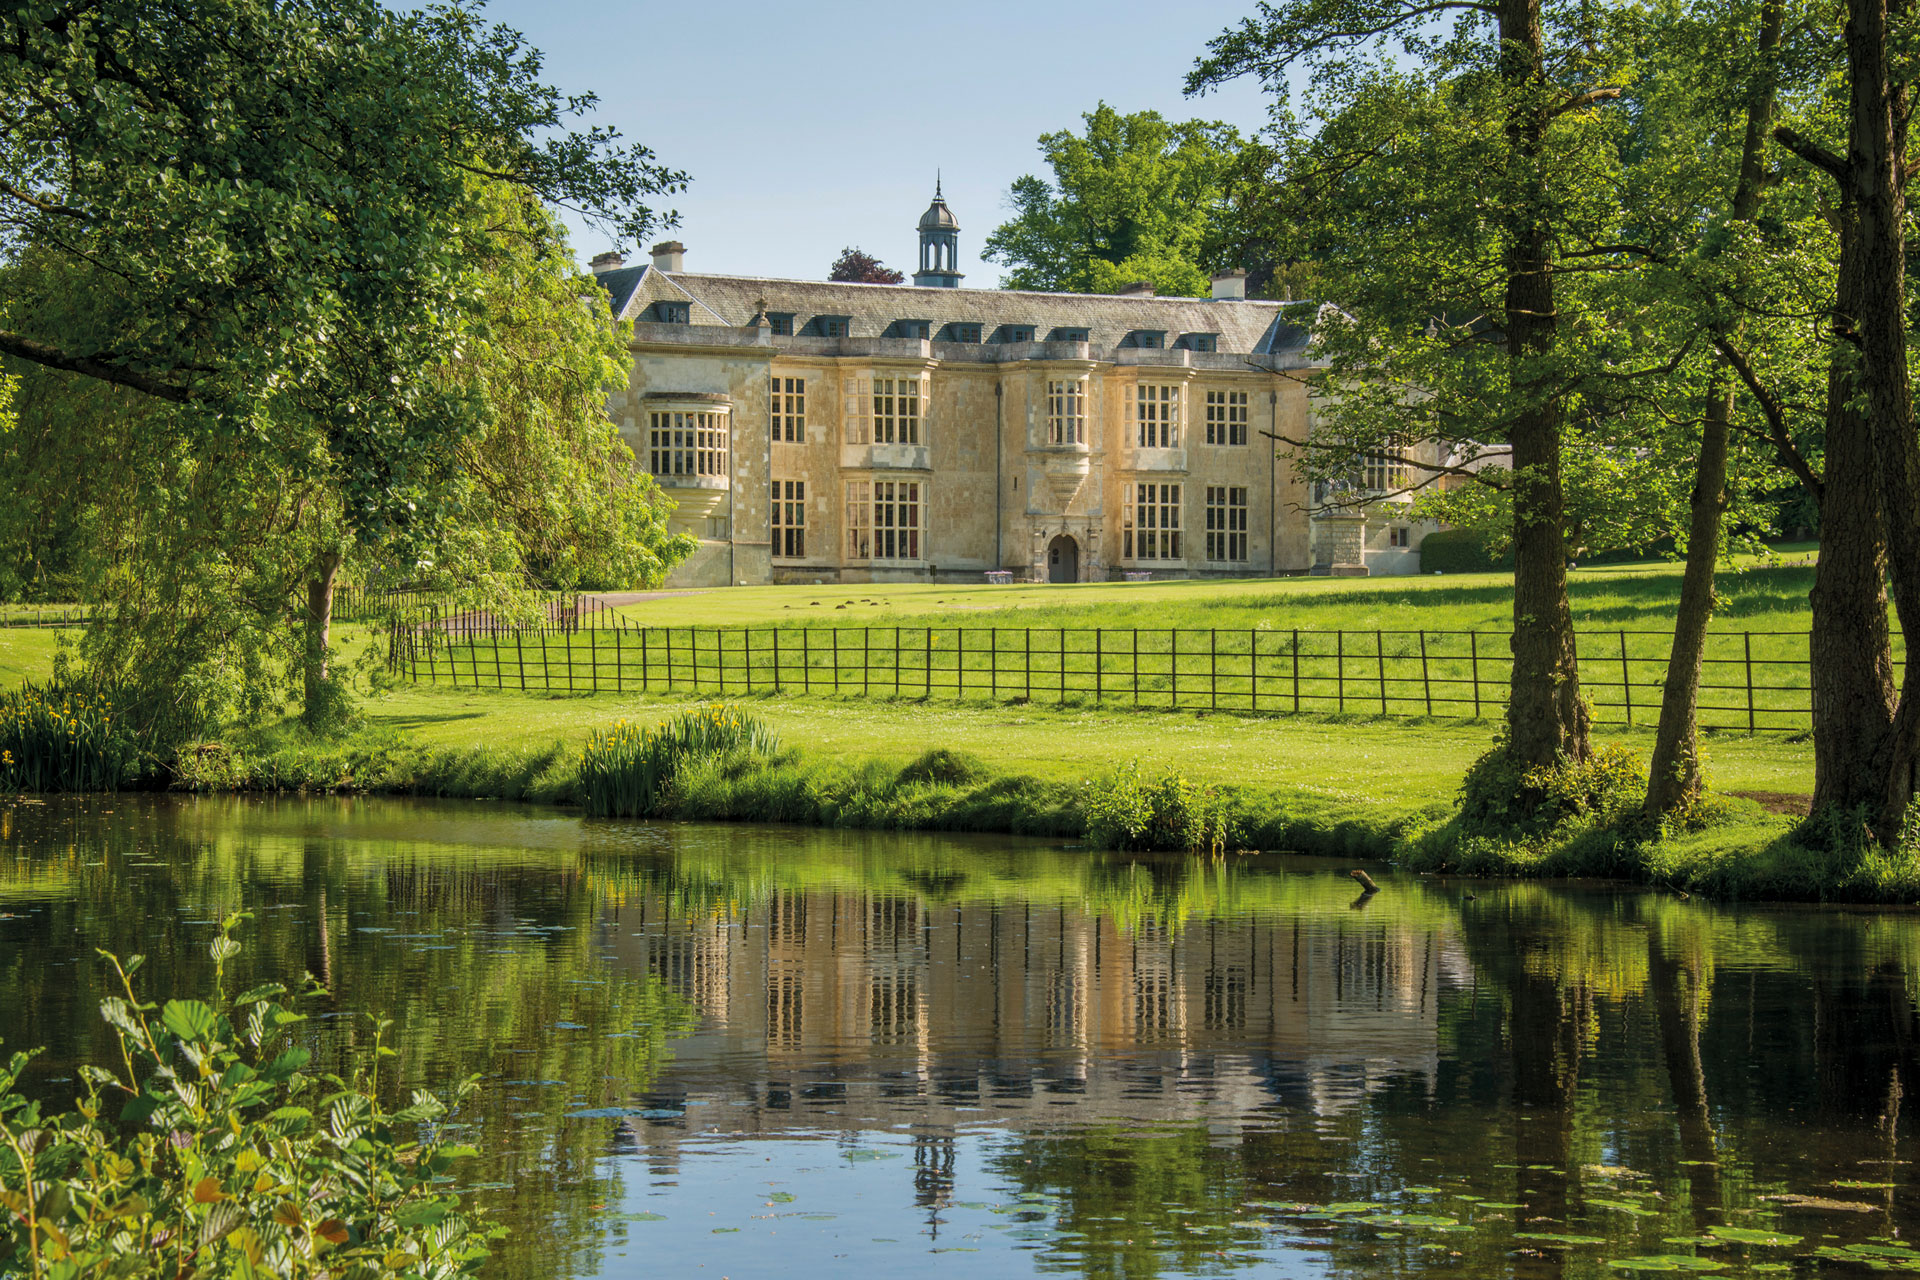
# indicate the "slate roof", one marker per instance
pixel 1246 327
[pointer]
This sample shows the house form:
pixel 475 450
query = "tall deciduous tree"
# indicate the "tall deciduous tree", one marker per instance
pixel 1132 198
pixel 1871 416
pixel 282 221
pixel 1460 199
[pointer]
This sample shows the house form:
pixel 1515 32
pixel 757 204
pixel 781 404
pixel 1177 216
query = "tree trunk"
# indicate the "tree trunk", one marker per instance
pixel 1850 648
pixel 1546 720
pixel 1673 777
pixel 1876 154
pixel 319 626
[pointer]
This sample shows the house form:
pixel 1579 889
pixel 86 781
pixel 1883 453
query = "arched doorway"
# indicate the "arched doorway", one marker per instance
pixel 1063 560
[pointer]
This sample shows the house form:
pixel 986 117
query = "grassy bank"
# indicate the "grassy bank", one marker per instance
pixel 1348 787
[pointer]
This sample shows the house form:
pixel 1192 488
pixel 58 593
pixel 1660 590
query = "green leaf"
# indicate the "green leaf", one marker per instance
pixel 189 1019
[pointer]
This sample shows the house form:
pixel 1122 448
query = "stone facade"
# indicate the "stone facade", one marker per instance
pixel 934 432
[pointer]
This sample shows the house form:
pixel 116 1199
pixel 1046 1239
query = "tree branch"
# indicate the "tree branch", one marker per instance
pixel 1812 152
pixel 1586 99
pixel 25 348
pixel 1773 411
pixel 44 206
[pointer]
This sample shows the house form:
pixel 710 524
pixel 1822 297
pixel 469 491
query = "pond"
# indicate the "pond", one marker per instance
pixel 756 1052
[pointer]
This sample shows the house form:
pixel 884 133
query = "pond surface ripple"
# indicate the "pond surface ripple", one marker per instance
pixel 758 1052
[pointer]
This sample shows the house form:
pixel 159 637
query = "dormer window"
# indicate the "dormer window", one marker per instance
pixel 1154 338
pixel 782 322
pixel 1013 333
pixel 1067 333
pixel 1200 341
pixel 921 329
pixel 831 326
pixel 960 333
pixel 672 312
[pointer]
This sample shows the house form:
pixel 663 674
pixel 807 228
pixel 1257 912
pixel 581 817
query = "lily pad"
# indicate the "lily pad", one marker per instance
pixel 1667 1262
pixel 781 1197
pixel 1749 1235
pixel 1622 1206
pixel 1556 1237
pixel 1409 1220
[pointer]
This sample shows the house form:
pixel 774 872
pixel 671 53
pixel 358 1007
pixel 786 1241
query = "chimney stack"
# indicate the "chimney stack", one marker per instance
pixel 1138 289
pixel 1230 285
pixel 610 261
pixel 670 256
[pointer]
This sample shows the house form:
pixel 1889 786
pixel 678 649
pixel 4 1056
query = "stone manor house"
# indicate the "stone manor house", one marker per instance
pixel 814 431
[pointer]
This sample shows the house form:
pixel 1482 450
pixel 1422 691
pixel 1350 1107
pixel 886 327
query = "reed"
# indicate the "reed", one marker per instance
pixel 62 737
pixel 625 771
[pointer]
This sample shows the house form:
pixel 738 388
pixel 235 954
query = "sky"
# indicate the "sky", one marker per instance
pixel 808 127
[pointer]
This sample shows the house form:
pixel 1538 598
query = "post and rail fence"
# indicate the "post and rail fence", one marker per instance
pixel 1752 682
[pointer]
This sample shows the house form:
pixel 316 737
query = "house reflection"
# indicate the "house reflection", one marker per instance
pixel 850 1010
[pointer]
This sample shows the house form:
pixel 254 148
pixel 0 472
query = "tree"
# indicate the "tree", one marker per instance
pixel 1449 204
pixel 279 238
pixel 857 267
pixel 1871 402
pixel 1132 199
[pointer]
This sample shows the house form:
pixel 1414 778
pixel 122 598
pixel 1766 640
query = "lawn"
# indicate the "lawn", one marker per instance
pixel 26 653
pixel 1403 764
pixel 1758 594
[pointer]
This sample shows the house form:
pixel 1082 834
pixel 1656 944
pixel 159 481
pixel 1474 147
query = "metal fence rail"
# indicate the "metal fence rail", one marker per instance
pixel 1752 681
pixel 46 615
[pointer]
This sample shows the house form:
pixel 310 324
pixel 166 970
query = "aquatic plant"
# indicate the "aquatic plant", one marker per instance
pixel 63 737
pixel 625 771
pixel 207 1150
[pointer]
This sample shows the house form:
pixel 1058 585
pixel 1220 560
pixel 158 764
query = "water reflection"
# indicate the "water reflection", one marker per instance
pixel 769 1051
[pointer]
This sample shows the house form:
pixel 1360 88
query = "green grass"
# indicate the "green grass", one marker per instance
pixel 1400 763
pixel 1756 594
pixel 26 654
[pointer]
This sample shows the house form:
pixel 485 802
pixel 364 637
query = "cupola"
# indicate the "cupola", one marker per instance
pixel 939 245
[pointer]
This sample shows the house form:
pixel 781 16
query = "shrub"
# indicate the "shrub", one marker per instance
pixel 1171 814
pixel 63 737
pixel 208 1151
pixel 1459 551
pixel 1503 799
pixel 939 766
pixel 626 770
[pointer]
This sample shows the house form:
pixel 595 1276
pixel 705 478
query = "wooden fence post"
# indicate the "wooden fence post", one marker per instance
pixel 926 673
pixel 806 660
pixel 1253 669
pixel 993 664
pixel 1099 656
pixel 1296 671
